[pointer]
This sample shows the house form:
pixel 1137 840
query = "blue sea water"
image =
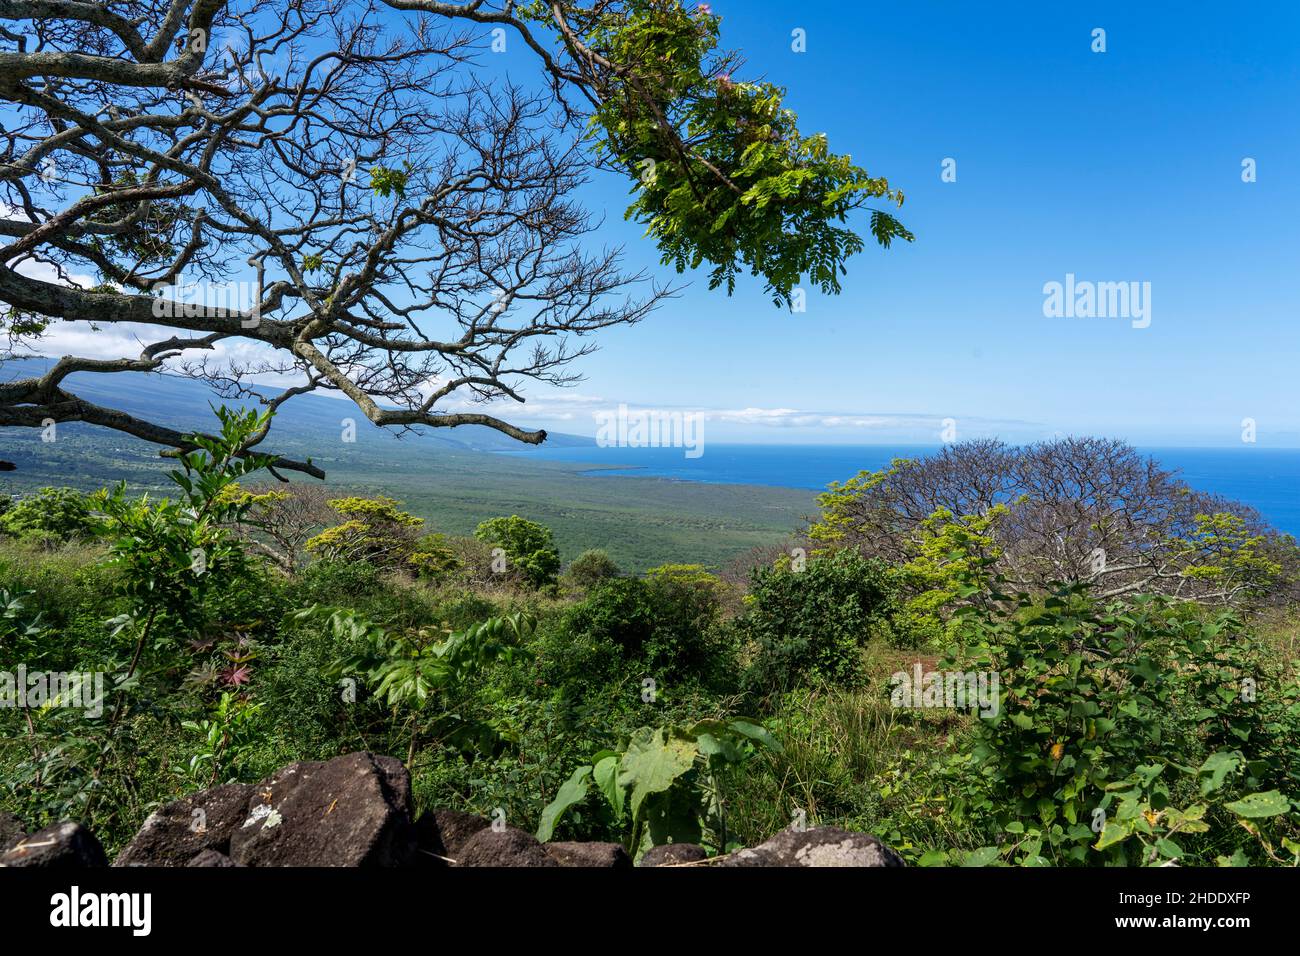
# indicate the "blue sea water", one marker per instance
pixel 1267 479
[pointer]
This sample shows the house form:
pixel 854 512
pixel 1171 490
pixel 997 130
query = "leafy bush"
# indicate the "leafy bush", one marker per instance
pixel 405 670
pixel 337 581
pixel 664 785
pixel 529 548
pixel 1122 733
pixel 378 533
pixel 170 554
pixel 591 568
pixel 51 514
pixel 811 625
pixel 660 627
pixel 226 737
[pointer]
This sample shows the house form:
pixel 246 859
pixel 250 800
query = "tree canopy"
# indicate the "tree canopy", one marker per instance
pixel 1073 510
pixel 384 215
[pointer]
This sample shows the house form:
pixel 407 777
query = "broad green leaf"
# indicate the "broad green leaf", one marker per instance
pixel 1169 848
pixel 723 747
pixel 652 765
pixel 605 773
pixel 1270 803
pixel 671 817
pixel 984 856
pixel 756 732
pixel 1111 834
pixel 1217 767
pixel 573 791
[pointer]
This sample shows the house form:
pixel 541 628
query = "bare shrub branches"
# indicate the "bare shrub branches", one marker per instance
pixel 1076 510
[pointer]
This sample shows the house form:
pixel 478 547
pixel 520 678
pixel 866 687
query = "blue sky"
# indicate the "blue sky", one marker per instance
pixel 1115 166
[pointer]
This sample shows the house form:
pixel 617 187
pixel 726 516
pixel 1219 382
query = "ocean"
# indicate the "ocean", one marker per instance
pixel 1266 479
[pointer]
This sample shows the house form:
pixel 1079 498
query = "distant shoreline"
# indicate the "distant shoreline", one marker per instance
pixel 1266 479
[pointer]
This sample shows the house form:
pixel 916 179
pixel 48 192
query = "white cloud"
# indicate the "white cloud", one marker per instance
pixel 580 409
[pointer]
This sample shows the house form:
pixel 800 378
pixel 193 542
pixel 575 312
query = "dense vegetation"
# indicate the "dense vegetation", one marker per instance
pixel 244 625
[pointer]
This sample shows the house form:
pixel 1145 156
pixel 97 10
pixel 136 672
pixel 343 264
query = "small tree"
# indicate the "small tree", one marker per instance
pixel 172 554
pixel 529 548
pixel 811 625
pixel 280 520
pixel 377 532
pixel 591 568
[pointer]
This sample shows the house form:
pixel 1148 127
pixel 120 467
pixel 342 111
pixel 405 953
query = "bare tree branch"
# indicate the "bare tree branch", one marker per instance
pixel 341 187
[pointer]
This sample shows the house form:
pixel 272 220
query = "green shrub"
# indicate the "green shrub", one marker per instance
pixel 433 558
pixel 810 626
pixel 591 568
pixel 661 627
pixel 529 548
pixel 51 514
pixel 338 582
pixel 620 614
pixel 460 609
pixel 1132 734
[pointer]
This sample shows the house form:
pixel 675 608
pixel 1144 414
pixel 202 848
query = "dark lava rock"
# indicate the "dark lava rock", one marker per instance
pixel 672 854
pixel 350 811
pixel 11 830
pixel 505 847
pixel 211 858
pixel 64 846
pixel 445 833
pixel 202 821
pixel 817 846
pixel 600 855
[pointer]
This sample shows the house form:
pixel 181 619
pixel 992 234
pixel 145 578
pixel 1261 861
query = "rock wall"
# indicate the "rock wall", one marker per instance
pixel 356 810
